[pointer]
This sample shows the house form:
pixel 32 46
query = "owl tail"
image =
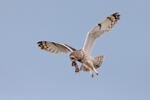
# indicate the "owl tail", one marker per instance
pixel 98 60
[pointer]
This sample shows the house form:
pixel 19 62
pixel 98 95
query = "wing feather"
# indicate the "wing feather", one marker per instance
pixel 54 47
pixel 105 26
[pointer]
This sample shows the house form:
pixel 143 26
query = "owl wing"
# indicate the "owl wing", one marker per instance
pixel 55 48
pixel 105 26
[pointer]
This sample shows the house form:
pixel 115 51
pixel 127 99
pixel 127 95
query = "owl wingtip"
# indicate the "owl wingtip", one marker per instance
pixel 116 15
pixel 40 44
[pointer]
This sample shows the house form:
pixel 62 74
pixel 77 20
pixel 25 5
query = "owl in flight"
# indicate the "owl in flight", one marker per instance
pixel 83 55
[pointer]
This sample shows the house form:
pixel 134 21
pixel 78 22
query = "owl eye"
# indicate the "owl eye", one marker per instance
pixel 72 58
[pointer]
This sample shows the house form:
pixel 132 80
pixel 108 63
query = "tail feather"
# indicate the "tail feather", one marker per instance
pixel 98 60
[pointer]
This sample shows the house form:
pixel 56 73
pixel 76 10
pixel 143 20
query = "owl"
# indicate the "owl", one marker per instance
pixel 83 55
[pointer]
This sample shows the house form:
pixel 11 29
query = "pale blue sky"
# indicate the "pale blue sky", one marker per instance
pixel 28 73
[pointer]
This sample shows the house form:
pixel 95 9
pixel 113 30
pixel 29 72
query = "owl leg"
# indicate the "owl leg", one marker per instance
pixel 93 68
pixel 89 67
pixel 91 74
pixel 95 71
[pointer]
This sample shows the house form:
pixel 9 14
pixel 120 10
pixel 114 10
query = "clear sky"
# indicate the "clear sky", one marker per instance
pixel 28 73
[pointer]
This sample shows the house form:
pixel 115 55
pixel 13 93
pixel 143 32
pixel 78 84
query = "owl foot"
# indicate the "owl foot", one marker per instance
pixel 77 70
pixel 95 71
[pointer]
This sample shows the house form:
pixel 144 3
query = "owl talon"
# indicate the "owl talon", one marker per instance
pixel 77 70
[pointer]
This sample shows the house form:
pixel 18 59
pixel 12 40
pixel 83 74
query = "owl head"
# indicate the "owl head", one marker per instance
pixel 76 56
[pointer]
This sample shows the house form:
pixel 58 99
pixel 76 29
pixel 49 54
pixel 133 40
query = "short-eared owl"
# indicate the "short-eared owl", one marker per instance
pixel 84 55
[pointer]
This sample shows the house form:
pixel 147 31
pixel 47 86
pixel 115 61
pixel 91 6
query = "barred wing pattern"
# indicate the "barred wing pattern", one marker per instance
pixel 105 26
pixel 55 48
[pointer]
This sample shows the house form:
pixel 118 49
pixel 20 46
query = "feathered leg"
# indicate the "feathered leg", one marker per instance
pixel 91 74
pixel 91 67
pixel 95 70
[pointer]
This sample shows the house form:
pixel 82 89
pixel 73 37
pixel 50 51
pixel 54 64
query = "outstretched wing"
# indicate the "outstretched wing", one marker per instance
pixel 105 26
pixel 55 48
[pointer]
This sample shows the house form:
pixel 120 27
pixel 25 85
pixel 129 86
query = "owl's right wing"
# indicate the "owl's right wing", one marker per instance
pixel 54 47
pixel 105 26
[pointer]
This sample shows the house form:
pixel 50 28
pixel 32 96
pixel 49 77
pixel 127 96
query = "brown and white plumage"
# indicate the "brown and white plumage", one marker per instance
pixel 105 26
pixel 55 48
pixel 84 55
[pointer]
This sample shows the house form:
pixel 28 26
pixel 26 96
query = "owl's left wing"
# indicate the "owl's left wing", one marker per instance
pixel 105 26
pixel 54 47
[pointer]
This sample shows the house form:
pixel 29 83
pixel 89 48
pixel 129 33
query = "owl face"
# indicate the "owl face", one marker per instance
pixel 73 58
pixel 76 56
